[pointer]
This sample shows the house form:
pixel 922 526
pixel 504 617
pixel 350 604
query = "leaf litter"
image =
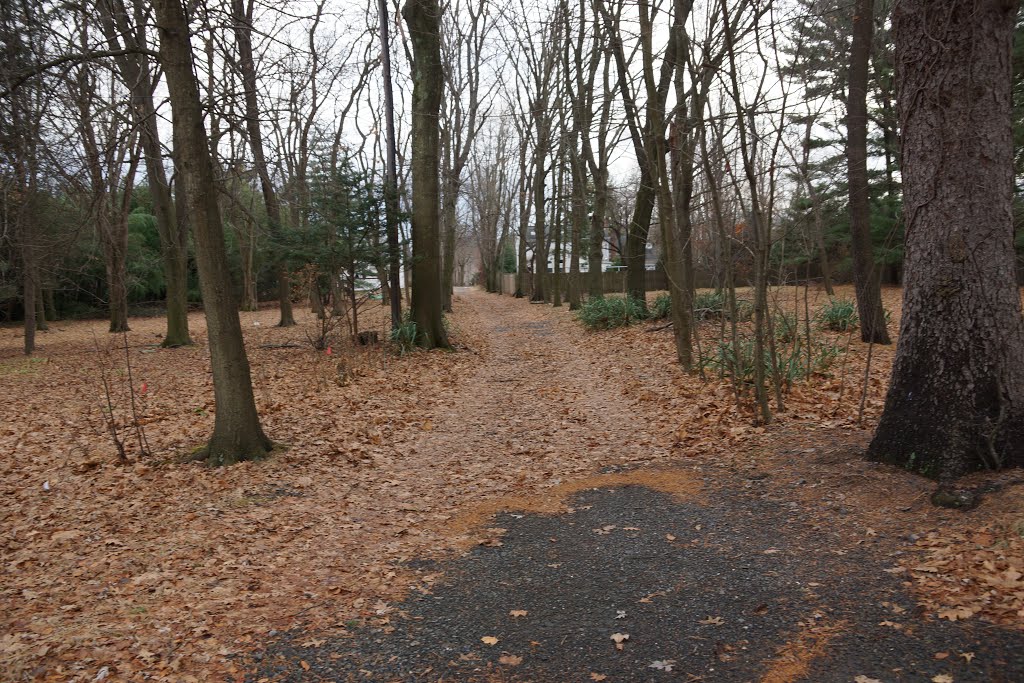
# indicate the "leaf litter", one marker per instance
pixel 174 569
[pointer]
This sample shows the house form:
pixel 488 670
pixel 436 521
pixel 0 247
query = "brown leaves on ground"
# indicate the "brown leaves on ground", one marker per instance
pixel 980 572
pixel 174 569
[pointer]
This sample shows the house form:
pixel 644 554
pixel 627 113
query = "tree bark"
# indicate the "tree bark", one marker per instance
pixel 242 18
pixel 423 18
pixel 135 72
pixel 956 398
pixel 29 298
pixel 115 246
pixel 237 434
pixel 392 287
pixel 866 275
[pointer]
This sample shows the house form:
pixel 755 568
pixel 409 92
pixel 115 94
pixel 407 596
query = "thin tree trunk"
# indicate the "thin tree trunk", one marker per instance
pixel 50 304
pixel 866 274
pixel 115 245
pixel 135 71
pixel 41 324
pixel 242 18
pixel 393 286
pixel 29 299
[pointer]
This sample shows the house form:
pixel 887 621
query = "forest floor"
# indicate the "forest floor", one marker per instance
pixel 543 504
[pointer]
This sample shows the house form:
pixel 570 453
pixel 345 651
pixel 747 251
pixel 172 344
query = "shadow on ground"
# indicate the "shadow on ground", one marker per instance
pixel 722 593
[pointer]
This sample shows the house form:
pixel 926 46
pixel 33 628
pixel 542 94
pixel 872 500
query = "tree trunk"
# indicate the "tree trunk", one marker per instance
pixel 956 399
pixel 115 246
pixel 246 249
pixel 451 197
pixel 540 247
pixel 635 254
pixel 50 304
pixel 135 71
pixel 29 298
pixel 391 288
pixel 866 275
pixel 579 228
pixel 242 18
pixel 237 434
pixel 424 20
pixel 41 324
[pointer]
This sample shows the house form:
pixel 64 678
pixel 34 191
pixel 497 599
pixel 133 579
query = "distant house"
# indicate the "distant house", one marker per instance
pixel 611 259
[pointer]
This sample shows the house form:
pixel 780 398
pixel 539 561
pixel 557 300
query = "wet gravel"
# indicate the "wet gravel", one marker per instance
pixel 712 591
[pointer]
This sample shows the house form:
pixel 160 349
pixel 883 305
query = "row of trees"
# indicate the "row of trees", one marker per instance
pixel 759 140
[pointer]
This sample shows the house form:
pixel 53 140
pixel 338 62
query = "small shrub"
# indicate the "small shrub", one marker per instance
pixel 404 336
pixel 709 305
pixel 661 308
pixel 609 312
pixel 839 315
pixel 785 327
pixel 738 360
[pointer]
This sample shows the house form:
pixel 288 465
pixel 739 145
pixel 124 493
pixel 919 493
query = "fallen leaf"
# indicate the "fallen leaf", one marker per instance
pixel 597 676
pixel 713 621
pixel 865 679
pixel 956 613
pixel 941 655
pixel 489 640
pixel 511 660
pixel 669 537
pixel 662 664
pixel 304 664
pixel 619 639
pixel 968 656
pixel 518 613
pixel 942 678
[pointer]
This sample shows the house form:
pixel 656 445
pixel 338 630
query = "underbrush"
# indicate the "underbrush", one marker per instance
pixel 839 315
pixel 611 312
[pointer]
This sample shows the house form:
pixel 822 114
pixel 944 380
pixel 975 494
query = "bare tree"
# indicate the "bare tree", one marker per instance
pixel 866 274
pixel 128 33
pixel 423 17
pixel 237 434
pixel 466 31
pixel 242 17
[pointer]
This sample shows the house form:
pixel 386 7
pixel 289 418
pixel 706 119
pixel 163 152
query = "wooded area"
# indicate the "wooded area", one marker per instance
pixel 742 225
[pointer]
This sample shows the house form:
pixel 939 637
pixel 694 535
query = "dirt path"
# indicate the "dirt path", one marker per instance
pixel 712 579
pixel 534 413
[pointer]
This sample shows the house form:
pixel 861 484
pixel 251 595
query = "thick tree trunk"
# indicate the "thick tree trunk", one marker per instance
pixel 956 399
pixel 866 275
pixel 237 434
pixel 423 18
